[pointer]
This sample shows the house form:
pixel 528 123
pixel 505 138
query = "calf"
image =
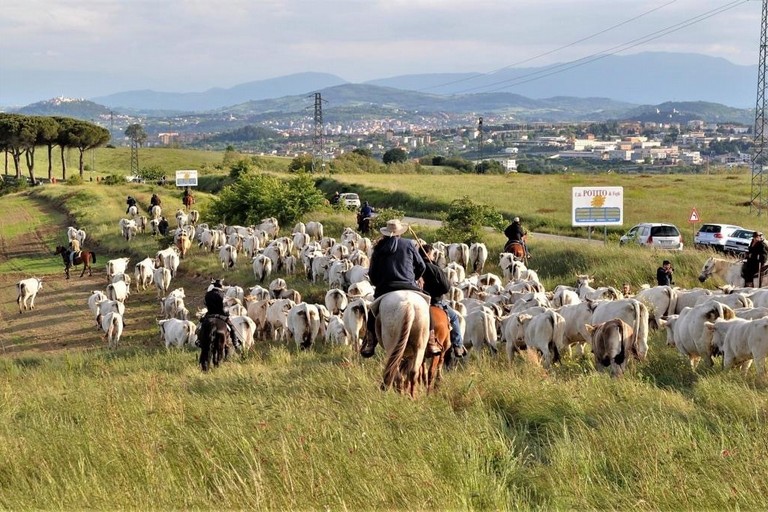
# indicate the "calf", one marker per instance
pixel 303 324
pixel 354 319
pixel 336 332
pixel 112 325
pixel 613 342
pixel 27 291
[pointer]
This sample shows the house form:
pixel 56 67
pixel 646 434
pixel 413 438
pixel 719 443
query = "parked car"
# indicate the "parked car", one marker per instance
pixel 713 236
pixel 738 243
pixel 654 234
pixel 349 199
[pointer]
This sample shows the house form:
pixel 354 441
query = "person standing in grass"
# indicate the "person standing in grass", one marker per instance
pixel 664 274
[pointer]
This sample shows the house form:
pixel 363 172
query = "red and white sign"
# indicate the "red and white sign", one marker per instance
pixel 694 216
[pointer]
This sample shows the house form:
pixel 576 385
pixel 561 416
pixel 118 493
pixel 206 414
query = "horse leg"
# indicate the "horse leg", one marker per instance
pixel 85 266
pixel 66 271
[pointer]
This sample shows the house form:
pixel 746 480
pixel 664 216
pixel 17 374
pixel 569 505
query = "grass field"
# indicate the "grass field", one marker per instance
pixel 142 428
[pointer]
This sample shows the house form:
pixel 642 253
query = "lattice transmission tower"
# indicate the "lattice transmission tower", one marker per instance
pixel 758 200
pixel 318 141
pixel 480 139
pixel 134 156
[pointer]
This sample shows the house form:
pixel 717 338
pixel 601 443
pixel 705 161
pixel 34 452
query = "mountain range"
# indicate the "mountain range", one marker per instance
pixel 644 78
pixel 650 86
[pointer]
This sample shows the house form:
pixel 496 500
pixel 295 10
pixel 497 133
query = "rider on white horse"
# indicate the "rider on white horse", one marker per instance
pixel 395 265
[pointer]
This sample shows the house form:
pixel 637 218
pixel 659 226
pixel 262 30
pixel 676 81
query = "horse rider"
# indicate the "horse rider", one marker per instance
pixel 664 274
pixel 214 303
pixel 335 198
pixel 515 233
pixel 363 224
pixel 757 255
pixel 395 265
pixel 188 200
pixel 131 201
pixel 162 226
pixel 436 285
pixel 154 200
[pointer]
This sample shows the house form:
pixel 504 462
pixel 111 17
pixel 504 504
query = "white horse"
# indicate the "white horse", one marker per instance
pixel 402 326
pixel 155 212
pixel 133 210
pixel 728 270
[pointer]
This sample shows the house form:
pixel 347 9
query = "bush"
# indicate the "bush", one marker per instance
pixel 112 179
pixel 394 156
pixel 151 173
pixel 9 184
pixel 466 219
pixel 76 179
pixel 381 218
pixel 254 197
pixel 242 166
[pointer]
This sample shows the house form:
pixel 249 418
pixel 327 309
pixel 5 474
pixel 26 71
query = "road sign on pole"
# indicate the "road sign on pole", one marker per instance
pixel 694 217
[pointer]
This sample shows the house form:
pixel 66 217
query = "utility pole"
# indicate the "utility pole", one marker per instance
pixel 480 139
pixel 318 151
pixel 757 200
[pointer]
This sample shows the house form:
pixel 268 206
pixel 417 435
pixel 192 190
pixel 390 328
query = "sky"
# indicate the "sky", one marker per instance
pixel 87 48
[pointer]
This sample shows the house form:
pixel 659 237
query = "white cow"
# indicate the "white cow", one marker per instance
pixel 481 329
pixel 733 301
pixel 162 279
pixel 354 318
pixel 336 301
pixel 661 302
pixel 633 312
pixel 613 343
pixel 262 267
pixel 182 219
pixel 315 230
pixel 168 258
pixel 478 254
pixel 26 291
pixel 544 332
pixel 128 228
pixel 116 266
pixel 96 297
pixel 363 289
pixel 336 332
pixel 143 273
pixel 459 253
pixel 689 298
pixel 257 311
pixel 227 256
pixel 740 342
pixel 303 325
pixel 337 274
pixel 177 332
pixel 246 330
pixel 686 331
pixel 112 325
pixel 269 226
pixel 118 291
pixel 107 306
pixel 277 318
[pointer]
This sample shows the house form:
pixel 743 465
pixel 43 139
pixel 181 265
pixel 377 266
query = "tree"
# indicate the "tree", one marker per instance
pixel 465 221
pixel 363 152
pixel 136 133
pixel 301 163
pixel 242 166
pixel 85 136
pixel 230 155
pixel 15 134
pixel 394 155
pixel 45 130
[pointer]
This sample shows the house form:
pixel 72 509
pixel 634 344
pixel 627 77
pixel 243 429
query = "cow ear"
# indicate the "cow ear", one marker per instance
pixel 661 323
pixel 590 328
pixel 710 326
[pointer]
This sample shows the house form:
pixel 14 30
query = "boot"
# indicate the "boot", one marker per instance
pixel 369 341
pixel 433 347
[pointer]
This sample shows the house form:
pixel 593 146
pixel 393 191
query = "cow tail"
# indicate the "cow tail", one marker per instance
pixel 558 331
pixel 622 355
pixel 552 343
pixel 21 287
pixel 672 296
pixel 638 324
pixel 392 367
pixel 309 269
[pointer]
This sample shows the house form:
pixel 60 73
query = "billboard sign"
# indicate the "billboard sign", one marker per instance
pixel 597 206
pixel 187 178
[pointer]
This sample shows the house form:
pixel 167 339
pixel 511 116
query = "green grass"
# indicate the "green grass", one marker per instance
pixel 142 428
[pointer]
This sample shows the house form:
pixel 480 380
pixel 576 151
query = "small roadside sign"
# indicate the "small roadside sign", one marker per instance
pixel 694 218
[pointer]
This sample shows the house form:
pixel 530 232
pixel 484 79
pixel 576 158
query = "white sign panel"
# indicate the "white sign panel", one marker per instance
pixel 186 178
pixel 598 206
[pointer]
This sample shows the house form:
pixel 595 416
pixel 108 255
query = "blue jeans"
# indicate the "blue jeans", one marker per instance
pixel 453 318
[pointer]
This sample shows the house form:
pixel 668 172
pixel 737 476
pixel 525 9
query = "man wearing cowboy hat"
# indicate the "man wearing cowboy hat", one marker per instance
pixel 395 265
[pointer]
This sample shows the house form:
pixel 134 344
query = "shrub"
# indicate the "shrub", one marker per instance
pixel 76 179
pixel 113 179
pixel 394 155
pixel 240 167
pixel 151 173
pixel 466 219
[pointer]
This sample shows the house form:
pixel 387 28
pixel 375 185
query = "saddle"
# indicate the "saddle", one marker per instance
pixel 73 255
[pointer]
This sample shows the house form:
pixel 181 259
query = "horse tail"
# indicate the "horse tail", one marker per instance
pixel 93 256
pixel 392 368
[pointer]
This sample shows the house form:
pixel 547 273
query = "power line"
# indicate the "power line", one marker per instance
pixel 535 57
pixel 559 68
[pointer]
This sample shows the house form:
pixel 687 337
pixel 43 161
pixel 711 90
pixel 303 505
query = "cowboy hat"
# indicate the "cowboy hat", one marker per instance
pixel 394 228
pixel 516 219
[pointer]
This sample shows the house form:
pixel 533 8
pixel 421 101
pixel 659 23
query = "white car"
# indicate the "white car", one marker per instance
pixel 714 236
pixel 654 234
pixel 350 200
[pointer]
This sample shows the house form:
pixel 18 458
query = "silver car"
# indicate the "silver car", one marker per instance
pixel 738 243
pixel 714 236
pixel 654 234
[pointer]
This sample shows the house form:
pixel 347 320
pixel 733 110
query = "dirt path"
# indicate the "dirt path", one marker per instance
pixel 62 320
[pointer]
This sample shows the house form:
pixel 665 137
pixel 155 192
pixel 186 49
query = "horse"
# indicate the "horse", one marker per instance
pixel 133 210
pixel 363 224
pixel 214 339
pixel 432 370
pixel 402 325
pixel 188 201
pixel 516 248
pixel 71 259
pixel 728 270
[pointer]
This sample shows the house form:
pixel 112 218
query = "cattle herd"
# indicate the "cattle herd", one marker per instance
pixel 513 308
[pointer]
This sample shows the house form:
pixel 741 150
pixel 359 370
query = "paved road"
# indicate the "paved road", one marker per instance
pixel 534 236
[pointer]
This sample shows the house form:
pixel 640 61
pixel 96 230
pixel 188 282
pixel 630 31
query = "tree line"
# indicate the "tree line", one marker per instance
pixel 20 135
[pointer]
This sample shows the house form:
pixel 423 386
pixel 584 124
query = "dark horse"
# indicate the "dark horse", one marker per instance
pixel 432 368
pixel 214 338
pixel 188 201
pixel 363 224
pixel 84 258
